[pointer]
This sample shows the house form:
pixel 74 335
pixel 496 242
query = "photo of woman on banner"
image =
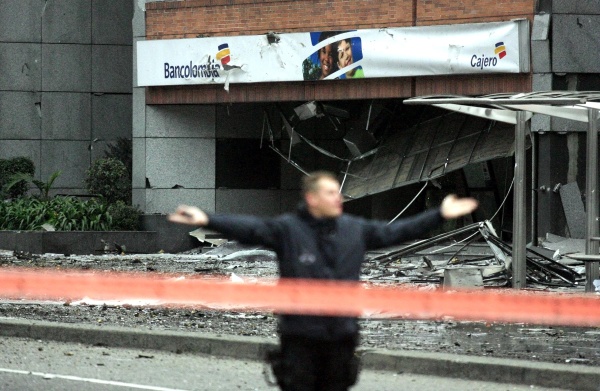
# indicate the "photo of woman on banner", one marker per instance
pixel 348 51
pixel 327 56
pixel 323 62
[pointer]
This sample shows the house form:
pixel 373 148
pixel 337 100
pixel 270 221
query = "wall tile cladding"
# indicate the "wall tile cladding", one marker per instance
pixel 184 19
pixel 65 80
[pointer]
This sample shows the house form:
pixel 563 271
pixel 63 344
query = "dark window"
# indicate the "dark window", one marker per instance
pixel 242 164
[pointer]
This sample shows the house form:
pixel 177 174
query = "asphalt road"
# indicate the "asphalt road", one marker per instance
pixel 46 365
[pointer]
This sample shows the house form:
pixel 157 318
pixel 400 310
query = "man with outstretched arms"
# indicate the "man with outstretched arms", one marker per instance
pixel 319 241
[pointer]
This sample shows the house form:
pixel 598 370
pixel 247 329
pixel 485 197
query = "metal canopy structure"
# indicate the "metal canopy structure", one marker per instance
pixel 517 109
pixel 430 149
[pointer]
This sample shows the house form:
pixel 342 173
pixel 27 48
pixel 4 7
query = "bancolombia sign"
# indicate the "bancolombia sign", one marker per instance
pixel 391 52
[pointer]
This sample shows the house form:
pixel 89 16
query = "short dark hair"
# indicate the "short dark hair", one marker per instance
pixel 310 181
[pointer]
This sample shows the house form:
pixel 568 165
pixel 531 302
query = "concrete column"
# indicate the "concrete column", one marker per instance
pixel 519 204
pixel 138 120
pixel 591 200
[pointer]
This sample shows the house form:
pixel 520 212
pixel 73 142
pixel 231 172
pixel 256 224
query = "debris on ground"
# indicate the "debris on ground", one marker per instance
pixel 423 265
pixel 474 246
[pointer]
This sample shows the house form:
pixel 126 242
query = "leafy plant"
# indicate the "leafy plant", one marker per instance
pixel 72 214
pixel 124 217
pixel 108 178
pixel 64 213
pixel 22 214
pixel 10 167
pixel 43 187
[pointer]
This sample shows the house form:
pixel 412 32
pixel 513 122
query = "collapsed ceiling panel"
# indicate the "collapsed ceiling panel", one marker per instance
pixel 377 146
pixel 426 151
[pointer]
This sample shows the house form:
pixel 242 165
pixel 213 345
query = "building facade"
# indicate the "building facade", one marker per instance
pixel 196 125
pixel 69 86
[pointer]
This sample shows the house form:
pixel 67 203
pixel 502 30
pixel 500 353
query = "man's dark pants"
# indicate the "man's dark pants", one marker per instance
pixel 306 364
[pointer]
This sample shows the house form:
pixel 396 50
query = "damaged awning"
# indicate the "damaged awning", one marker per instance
pixel 517 109
pixel 480 129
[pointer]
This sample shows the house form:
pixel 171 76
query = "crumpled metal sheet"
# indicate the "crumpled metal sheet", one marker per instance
pixel 428 150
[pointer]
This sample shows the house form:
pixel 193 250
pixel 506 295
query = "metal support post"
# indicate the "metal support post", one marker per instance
pixel 534 186
pixel 591 200
pixel 519 200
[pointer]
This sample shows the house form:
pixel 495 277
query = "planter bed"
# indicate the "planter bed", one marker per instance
pixel 157 235
pixel 78 242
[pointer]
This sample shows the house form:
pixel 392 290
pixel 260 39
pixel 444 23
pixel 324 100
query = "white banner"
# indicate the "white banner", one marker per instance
pixel 501 47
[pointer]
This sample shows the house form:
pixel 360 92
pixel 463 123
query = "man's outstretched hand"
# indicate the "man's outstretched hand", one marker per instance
pixel 454 207
pixel 189 215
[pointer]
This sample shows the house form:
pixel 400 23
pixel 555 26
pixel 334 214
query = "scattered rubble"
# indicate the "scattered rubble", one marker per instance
pixel 422 264
pixel 473 246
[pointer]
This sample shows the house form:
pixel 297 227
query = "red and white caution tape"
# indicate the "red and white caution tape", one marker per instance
pixel 304 297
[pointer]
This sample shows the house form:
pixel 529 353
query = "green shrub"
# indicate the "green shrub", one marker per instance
pixel 124 217
pixel 64 213
pixel 10 167
pixel 121 150
pixel 108 178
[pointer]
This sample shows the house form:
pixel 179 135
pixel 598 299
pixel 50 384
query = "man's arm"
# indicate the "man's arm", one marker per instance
pixel 380 234
pixel 245 229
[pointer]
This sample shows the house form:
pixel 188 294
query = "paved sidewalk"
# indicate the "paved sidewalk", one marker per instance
pixel 435 364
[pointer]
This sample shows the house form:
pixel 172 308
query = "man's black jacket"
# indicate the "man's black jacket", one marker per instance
pixel 331 249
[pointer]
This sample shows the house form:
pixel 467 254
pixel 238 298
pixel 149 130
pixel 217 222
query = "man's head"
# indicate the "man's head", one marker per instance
pixel 321 192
